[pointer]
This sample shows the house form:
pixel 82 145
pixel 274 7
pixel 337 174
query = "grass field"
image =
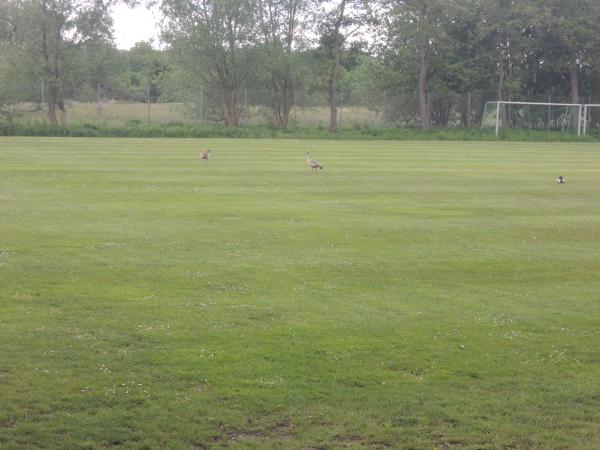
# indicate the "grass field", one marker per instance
pixel 412 295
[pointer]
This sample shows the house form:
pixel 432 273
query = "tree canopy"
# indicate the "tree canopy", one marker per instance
pixel 415 61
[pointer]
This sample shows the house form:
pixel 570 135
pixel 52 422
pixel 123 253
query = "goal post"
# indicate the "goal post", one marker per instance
pixel 591 118
pixel 533 116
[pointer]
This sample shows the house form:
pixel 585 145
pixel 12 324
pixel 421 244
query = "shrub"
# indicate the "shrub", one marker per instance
pixel 138 129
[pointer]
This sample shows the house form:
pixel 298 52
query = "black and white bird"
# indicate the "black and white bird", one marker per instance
pixel 314 165
pixel 561 180
pixel 204 155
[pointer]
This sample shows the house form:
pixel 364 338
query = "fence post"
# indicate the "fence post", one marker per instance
pixel 341 107
pixel 244 114
pixel 201 103
pixel 469 110
pixel 498 104
pixel 549 112
pixel 428 108
pixel 148 105
pixel 98 105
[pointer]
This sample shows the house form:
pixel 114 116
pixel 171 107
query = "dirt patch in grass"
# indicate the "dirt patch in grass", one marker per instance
pixel 245 435
pixel 8 422
pixel 358 441
pixel 283 430
pixel 348 438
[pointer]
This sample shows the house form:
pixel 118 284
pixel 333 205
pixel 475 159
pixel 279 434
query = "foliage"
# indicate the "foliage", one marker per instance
pixel 211 39
pixel 418 62
pixel 138 129
pixel 48 37
pixel 338 23
pixel 281 36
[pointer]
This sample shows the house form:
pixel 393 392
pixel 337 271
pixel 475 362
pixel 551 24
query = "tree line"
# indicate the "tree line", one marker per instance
pixel 415 61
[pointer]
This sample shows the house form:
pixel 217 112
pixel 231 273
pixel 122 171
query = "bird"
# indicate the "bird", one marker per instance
pixel 204 155
pixel 314 165
pixel 561 179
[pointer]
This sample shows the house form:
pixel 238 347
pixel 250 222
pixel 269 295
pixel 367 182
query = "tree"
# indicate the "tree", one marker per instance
pixel 504 39
pixel 6 35
pixel 5 97
pixel 463 70
pixel 212 39
pixel 338 23
pixel 280 39
pixel 146 67
pixel 49 34
pixel 417 31
pixel 13 84
pixel 568 35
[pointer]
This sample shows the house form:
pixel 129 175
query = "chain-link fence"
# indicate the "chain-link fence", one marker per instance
pixel 308 108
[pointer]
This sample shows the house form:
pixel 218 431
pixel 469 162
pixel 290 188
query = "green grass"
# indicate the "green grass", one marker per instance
pixel 412 295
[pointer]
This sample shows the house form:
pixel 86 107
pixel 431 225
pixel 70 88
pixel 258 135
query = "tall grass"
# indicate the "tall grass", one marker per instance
pixel 117 113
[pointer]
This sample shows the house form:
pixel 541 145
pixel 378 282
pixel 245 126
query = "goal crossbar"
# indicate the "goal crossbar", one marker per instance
pixel 538 104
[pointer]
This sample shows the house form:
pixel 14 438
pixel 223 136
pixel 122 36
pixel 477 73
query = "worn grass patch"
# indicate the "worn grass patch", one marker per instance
pixel 412 295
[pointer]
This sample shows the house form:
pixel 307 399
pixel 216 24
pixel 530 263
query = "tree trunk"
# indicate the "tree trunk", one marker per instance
pixel 63 113
pixel 285 114
pixel 338 43
pixel 574 83
pixel 230 107
pixel 465 113
pixel 52 99
pixel 500 93
pixel 423 106
pixel 333 90
pixel 52 85
pixel 283 102
pixel 288 103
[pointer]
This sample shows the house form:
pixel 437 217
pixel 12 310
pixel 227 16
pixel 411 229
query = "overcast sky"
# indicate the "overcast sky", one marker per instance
pixel 134 24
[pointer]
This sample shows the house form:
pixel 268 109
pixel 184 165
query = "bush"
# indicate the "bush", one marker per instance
pixel 138 129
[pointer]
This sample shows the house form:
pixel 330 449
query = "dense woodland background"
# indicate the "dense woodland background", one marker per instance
pixel 425 63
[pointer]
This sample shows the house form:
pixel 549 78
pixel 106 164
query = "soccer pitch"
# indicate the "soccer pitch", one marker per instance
pixel 411 295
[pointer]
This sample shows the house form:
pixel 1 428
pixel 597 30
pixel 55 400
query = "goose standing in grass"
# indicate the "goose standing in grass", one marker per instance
pixel 314 165
pixel 561 179
pixel 204 155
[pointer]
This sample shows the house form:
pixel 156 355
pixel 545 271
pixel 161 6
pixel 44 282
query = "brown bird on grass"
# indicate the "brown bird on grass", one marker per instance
pixel 314 165
pixel 204 155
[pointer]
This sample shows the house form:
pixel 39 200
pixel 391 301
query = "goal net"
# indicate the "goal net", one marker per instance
pixel 591 119
pixel 565 117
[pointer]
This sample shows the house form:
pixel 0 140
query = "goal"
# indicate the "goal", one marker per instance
pixel 533 116
pixel 591 119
